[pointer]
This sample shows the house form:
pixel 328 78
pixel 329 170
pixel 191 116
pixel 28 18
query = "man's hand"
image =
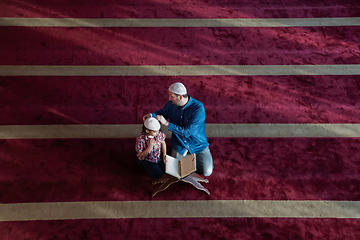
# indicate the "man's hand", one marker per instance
pixel 146 116
pixel 162 120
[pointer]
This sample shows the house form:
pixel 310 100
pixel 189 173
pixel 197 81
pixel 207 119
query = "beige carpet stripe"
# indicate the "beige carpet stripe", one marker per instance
pixel 239 22
pixel 179 209
pixel 180 70
pixel 212 130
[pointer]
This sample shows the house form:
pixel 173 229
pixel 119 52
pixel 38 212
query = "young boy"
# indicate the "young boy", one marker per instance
pixel 151 148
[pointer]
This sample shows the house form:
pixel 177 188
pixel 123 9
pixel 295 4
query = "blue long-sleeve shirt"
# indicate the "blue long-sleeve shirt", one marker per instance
pixel 187 125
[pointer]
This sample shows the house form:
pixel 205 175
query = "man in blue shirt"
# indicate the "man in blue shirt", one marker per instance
pixel 187 123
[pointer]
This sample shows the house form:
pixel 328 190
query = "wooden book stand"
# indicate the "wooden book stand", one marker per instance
pixel 166 180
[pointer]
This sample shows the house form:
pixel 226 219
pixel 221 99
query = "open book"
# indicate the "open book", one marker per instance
pixel 180 168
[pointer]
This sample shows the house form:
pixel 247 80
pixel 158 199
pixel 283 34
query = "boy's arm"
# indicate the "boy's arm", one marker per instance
pixel 148 149
pixel 163 148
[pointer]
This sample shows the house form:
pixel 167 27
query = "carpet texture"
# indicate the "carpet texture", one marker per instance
pixel 65 170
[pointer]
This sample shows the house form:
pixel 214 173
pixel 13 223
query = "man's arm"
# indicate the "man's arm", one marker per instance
pixel 197 119
pixel 165 111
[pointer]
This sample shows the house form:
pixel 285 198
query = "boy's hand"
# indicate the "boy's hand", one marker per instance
pixel 152 142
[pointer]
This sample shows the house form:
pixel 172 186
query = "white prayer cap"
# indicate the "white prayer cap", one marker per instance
pixel 152 124
pixel 178 88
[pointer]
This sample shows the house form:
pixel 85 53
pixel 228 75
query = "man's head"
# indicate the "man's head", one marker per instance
pixel 178 94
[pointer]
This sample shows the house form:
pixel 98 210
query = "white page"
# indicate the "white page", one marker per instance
pixel 172 166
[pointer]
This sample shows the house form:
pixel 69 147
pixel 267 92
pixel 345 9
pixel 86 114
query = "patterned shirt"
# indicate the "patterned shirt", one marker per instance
pixel 142 144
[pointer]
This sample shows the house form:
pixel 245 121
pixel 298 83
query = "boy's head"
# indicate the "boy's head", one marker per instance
pixel 152 126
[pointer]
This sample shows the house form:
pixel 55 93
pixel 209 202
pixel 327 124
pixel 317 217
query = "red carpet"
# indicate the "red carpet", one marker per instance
pixel 181 9
pixel 227 99
pixel 179 46
pixel 227 228
pixel 250 168
pixel 64 170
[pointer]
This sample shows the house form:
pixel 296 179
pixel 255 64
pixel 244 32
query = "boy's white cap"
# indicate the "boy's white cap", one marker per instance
pixel 178 88
pixel 152 124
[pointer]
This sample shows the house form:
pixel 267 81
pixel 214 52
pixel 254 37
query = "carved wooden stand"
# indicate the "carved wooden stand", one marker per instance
pixel 194 179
